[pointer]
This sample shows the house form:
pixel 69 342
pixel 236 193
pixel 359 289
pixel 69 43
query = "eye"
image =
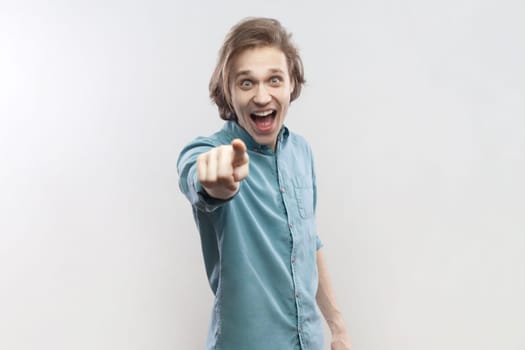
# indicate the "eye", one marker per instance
pixel 275 80
pixel 245 84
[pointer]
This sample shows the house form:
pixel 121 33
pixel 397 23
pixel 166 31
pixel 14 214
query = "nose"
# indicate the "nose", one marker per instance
pixel 262 96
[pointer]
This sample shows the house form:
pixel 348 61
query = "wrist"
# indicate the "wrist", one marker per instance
pixel 219 193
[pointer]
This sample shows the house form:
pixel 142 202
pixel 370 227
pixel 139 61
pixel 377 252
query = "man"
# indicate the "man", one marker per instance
pixel 253 192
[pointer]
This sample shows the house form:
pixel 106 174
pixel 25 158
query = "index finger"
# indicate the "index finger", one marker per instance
pixel 239 152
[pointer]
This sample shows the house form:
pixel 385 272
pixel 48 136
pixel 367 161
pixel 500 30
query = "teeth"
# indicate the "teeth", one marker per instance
pixel 262 114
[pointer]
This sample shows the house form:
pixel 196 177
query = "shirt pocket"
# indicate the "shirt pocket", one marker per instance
pixel 304 194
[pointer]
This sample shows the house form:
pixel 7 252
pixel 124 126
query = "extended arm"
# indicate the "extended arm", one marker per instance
pixel 327 304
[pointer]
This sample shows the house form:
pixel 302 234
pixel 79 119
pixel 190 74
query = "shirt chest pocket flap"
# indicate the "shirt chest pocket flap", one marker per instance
pixel 304 194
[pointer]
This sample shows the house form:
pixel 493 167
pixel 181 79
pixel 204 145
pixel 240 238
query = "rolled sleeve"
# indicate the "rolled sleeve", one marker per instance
pixel 188 181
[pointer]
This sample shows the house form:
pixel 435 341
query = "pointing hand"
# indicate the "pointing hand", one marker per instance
pixel 221 169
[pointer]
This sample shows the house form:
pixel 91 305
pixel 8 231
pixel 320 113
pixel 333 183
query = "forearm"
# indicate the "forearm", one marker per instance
pixel 326 298
pixel 327 304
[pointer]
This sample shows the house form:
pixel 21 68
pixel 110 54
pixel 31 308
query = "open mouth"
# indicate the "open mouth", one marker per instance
pixel 264 119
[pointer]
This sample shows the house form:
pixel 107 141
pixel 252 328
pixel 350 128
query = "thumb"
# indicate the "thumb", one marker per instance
pixel 240 156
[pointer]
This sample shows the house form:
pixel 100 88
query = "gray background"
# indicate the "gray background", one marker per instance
pixel 414 109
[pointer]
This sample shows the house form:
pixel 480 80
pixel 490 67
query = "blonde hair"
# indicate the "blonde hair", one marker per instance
pixel 247 34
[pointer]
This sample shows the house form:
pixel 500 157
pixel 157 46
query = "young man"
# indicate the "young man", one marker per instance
pixel 253 192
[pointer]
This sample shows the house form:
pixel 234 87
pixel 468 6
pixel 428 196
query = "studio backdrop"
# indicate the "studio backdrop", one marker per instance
pixel 415 114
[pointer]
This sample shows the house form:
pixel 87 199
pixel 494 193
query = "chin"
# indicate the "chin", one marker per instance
pixel 268 141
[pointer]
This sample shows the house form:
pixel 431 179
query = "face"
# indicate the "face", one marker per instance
pixel 260 90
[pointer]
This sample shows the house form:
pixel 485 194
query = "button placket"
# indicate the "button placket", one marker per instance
pixel 284 189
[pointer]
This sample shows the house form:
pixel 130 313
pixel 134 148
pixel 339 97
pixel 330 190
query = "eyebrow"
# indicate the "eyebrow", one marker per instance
pixel 249 72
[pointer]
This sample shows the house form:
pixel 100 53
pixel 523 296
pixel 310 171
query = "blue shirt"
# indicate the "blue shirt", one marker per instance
pixel 260 247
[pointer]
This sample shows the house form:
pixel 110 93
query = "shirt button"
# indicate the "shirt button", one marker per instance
pixel 283 190
pixel 299 330
pixel 297 294
pixel 290 225
pixel 293 259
